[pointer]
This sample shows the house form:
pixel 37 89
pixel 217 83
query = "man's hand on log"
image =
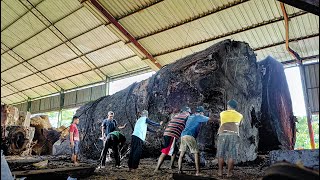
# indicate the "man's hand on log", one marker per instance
pixel 121 127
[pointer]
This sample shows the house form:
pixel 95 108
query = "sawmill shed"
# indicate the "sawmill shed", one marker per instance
pixel 58 55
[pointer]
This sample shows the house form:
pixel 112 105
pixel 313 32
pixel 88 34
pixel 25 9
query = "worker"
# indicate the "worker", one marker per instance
pixel 228 136
pixel 74 140
pixel 115 140
pixel 108 125
pixel 137 139
pixel 189 136
pixel 171 135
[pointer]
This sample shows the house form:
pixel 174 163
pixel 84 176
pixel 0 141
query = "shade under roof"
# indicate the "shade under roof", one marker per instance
pixel 50 45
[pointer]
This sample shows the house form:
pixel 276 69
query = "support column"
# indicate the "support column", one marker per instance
pixel 108 80
pixel 29 104
pixel 307 106
pixel 61 106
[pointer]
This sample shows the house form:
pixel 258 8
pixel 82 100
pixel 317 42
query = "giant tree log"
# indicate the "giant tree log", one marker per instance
pixel 226 70
pixel 45 135
pixel 277 128
pixel 17 139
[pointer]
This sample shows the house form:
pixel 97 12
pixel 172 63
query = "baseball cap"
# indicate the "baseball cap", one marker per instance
pixel 200 109
pixel 186 109
pixel 233 103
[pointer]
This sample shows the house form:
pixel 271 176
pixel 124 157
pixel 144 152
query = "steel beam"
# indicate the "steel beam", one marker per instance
pixel 28 69
pixel 293 61
pixel 51 47
pixel 283 42
pixel 39 71
pixel 311 6
pixel 302 75
pixel 118 77
pixel 124 32
pixel 307 105
pixel 62 39
pixel 45 28
pixel 73 75
pixel 20 16
pixel 213 11
pixel 271 21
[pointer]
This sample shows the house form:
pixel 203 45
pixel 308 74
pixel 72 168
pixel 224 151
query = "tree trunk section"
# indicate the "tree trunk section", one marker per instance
pixel 224 71
pixel 277 129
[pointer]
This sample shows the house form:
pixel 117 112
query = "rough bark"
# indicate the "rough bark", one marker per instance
pixel 17 139
pixel 277 129
pixel 209 78
pixel 45 135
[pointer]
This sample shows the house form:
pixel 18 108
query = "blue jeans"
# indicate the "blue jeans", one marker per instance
pixel 75 148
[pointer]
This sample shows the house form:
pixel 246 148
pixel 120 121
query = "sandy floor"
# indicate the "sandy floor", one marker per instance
pixel 145 171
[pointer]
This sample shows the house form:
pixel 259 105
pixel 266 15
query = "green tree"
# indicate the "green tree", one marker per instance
pixel 66 116
pixel 302 136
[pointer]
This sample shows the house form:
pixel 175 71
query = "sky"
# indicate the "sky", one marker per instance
pixel 295 88
pixel 292 75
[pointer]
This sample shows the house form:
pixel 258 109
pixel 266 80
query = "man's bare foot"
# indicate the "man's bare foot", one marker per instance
pixel 198 174
pixel 220 174
pixel 229 175
pixel 76 163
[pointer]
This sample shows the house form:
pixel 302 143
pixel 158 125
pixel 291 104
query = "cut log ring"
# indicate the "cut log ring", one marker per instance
pixel 18 140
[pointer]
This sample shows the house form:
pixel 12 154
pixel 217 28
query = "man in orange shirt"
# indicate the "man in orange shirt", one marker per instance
pixel 74 139
pixel 228 136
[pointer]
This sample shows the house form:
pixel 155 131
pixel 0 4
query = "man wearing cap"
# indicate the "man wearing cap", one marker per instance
pixel 189 135
pixel 108 125
pixel 228 135
pixel 138 137
pixel 171 135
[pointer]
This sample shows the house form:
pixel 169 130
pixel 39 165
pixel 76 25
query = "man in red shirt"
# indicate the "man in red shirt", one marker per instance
pixel 74 139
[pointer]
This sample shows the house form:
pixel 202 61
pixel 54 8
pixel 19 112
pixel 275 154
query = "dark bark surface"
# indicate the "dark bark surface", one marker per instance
pixel 226 70
pixel 277 129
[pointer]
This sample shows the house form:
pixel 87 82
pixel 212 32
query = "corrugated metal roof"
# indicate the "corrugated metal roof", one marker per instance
pixel 7 61
pixel 15 34
pixel 18 72
pixel 80 48
pixel 41 42
pixel 55 10
pixel 10 12
pixel 95 39
pixel 110 54
pixel 77 23
pixel 53 57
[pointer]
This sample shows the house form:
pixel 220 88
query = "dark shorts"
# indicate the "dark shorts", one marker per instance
pixel 170 145
pixel 227 146
pixel 75 148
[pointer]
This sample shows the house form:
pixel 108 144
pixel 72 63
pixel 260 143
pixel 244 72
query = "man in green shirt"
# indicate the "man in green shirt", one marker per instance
pixel 115 141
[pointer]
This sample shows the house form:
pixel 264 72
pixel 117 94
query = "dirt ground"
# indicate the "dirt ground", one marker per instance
pixel 250 171
pixel 146 168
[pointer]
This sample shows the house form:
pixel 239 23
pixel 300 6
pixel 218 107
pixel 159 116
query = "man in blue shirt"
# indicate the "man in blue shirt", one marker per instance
pixel 138 137
pixel 108 125
pixel 189 135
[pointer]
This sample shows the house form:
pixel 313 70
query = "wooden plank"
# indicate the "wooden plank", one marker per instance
pixel 57 172
pixel 190 177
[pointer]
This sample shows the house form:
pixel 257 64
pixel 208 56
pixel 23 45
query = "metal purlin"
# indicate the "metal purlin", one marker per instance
pixel 302 75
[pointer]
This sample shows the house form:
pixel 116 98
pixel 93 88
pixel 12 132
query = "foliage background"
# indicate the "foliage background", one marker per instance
pixel 302 136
